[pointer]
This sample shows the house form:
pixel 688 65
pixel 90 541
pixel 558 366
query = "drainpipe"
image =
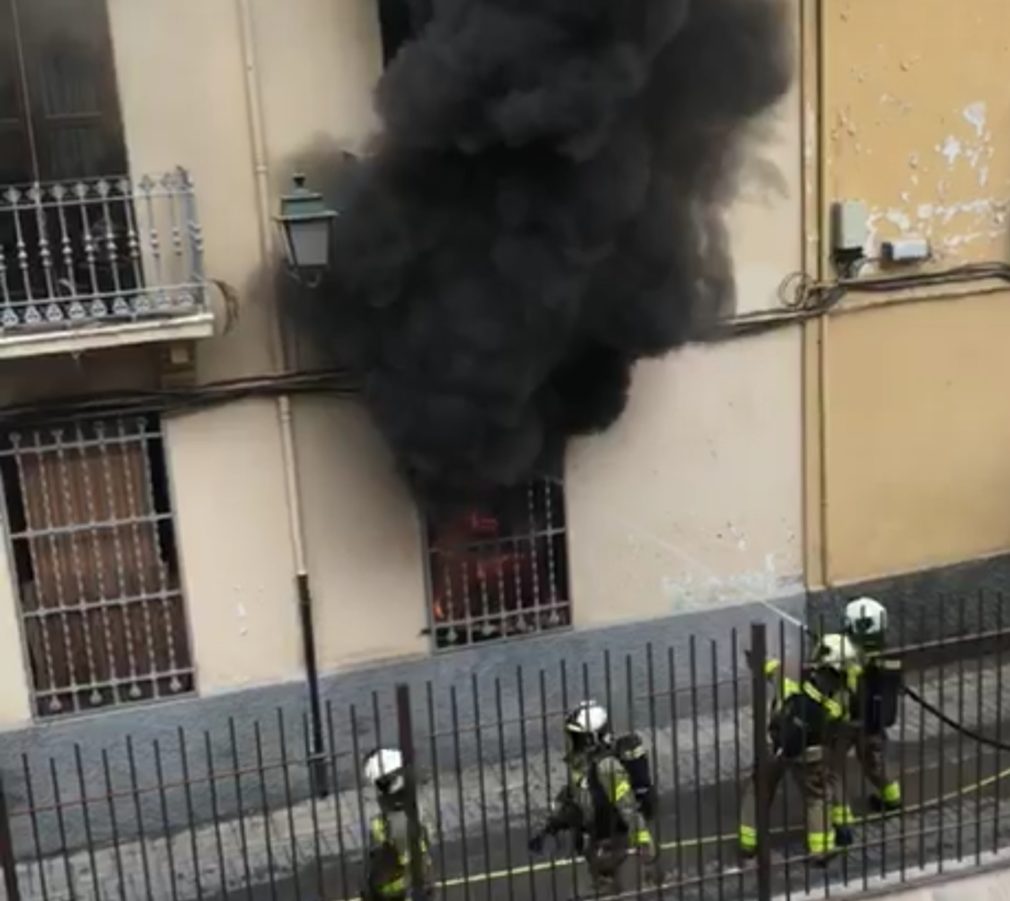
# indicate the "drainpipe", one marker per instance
pixel 296 529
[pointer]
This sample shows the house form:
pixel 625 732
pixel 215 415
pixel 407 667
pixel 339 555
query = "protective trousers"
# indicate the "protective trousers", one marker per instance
pixel 870 750
pixel 815 780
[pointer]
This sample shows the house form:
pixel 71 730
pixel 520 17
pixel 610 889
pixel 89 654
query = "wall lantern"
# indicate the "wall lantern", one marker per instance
pixel 306 224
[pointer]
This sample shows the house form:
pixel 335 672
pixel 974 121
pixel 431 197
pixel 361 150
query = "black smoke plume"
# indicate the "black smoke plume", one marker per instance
pixel 543 207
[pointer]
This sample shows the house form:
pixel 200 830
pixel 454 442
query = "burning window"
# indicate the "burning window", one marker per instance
pixel 92 542
pixel 501 570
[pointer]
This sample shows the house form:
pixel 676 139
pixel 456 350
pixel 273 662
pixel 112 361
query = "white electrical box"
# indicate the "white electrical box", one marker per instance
pixel 906 250
pixel 849 227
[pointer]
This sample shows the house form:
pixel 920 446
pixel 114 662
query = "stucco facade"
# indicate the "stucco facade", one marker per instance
pixel 851 447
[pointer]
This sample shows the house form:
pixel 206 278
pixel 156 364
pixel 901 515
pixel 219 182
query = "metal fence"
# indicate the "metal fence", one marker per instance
pixel 253 813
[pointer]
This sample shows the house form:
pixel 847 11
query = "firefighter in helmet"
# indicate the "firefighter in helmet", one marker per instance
pixel 875 682
pixel 598 805
pixel 388 876
pixel 803 725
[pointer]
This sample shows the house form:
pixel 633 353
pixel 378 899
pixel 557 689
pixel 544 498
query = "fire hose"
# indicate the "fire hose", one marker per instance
pixel 954 724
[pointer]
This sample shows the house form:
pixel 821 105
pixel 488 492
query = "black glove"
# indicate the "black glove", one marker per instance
pixel 844 836
pixel 537 843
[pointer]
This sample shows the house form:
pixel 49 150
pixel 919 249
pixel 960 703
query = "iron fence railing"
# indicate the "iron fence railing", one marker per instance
pixel 115 249
pixel 248 810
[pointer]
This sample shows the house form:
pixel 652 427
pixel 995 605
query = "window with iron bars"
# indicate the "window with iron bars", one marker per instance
pixel 500 570
pixel 94 558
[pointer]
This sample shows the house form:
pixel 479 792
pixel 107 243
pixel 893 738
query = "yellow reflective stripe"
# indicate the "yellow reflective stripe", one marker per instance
pixel 789 688
pixel 394 887
pixel 748 837
pixel 831 707
pixel 379 829
pixel 644 837
pixel 622 788
pixel 891 793
pixel 842 815
pixel 772 667
pixel 820 842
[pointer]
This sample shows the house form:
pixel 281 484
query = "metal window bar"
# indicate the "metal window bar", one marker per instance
pixel 92 251
pixel 93 551
pixel 509 584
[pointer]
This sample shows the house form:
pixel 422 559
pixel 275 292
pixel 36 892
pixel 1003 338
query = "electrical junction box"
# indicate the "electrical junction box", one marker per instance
pixel 906 250
pixel 849 228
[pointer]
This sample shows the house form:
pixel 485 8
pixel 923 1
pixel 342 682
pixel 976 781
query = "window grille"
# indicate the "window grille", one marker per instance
pixel 93 552
pixel 501 570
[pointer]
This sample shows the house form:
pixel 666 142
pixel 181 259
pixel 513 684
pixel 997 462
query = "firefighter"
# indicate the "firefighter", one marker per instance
pixel 875 680
pixel 598 805
pixel 388 876
pixel 803 724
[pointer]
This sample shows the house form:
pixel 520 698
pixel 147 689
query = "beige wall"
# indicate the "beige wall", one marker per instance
pixel 13 664
pixel 694 499
pixel 915 463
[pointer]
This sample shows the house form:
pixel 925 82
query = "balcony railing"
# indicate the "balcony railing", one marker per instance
pixel 99 253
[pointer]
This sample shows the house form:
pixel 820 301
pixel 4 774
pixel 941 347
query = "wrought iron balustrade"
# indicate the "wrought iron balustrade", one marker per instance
pixel 96 251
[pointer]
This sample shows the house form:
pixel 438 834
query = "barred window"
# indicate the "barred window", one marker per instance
pixel 501 570
pixel 89 520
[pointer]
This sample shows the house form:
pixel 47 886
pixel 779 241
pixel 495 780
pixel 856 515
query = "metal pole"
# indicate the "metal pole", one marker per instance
pixel 758 656
pixel 7 861
pixel 406 730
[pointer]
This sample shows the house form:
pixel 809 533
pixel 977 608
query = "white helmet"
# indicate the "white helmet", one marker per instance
pixel 384 769
pixel 835 651
pixel 865 618
pixel 587 725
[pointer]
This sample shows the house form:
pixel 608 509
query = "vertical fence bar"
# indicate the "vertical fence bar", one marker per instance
pixel 920 632
pixel 460 794
pixel 759 653
pixel 479 735
pixel 699 850
pixel 717 739
pixel 999 719
pixel 548 788
pixel 671 675
pixel 7 861
pixel 33 817
pixel 406 736
pixel 504 787
pixel 657 824
pixel 265 812
pixel 317 847
pixel 285 761
pixel 187 782
pixel 165 819
pixel 521 701
pixel 979 691
pixel 215 812
pixel 435 777
pixel 89 836
pixel 110 797
pixel 240 808
pixel 61 824
pixel 902 733
pixel 961 604
pixel 737 771
pixel 338 814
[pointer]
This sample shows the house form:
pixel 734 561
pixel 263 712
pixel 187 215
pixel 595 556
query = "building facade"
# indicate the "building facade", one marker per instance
pixel 150 562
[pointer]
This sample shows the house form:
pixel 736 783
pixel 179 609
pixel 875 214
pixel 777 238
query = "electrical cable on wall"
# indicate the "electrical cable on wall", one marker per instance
pixel 804 298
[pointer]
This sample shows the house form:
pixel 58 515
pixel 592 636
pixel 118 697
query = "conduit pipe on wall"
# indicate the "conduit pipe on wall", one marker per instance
pixel 292 489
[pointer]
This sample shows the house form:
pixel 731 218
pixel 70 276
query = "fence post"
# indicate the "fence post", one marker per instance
pixel 406 729
pixel 7 849
pixel 759 693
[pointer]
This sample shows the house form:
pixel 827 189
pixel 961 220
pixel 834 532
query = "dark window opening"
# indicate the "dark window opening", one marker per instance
pixel 92 538
pixel 501 570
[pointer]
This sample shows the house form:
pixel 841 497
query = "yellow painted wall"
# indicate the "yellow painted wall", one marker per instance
pixel 916 120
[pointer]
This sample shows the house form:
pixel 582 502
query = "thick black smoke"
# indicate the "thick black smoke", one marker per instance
pixel 543 208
